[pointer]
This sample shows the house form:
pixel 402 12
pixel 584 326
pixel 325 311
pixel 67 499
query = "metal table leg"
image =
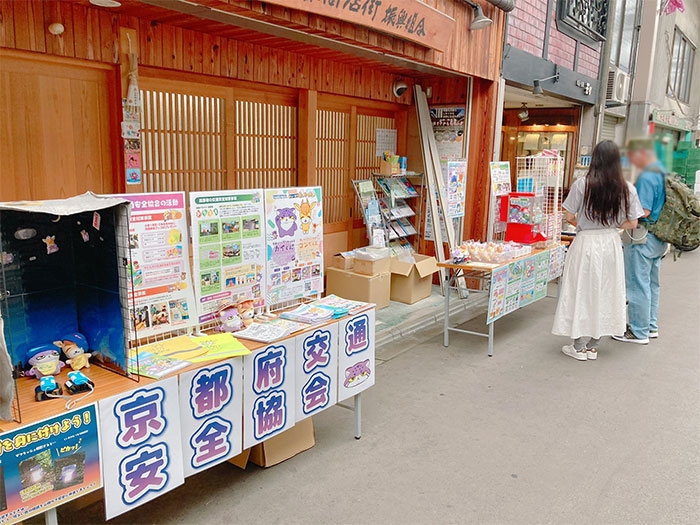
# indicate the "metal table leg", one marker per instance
pixel 446 322
pixel 491 338
pixel 358 416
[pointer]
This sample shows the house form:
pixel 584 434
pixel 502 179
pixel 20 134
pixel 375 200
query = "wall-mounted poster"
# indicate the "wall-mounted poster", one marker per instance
pixel 163 299
pixel 294 230
pixel 229 248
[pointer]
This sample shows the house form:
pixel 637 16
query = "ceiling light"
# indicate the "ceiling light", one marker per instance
pixel 523 114
pixel 106 3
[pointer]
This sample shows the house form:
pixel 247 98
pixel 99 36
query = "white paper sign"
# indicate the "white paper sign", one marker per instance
pixel 141 452
pixel 211 411
pixel 356 366
pixel 316 371
pixel 229 248
pixel 268 391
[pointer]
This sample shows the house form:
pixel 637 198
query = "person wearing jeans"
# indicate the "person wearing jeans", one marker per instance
pixel 643 254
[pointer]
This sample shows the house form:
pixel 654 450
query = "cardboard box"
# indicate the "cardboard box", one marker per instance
pixel 343 260
pixel 411 282
pixel 372 267
pixel 358 287
pixel 388 168
pixel 278 448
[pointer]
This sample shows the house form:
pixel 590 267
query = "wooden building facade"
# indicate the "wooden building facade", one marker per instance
pixel 235 94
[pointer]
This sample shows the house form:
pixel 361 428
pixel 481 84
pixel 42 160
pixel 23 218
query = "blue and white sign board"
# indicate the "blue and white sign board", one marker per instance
pixel 211 414
pixel 316 371
pixel 356 366
pixel 141 448
pixel 268 391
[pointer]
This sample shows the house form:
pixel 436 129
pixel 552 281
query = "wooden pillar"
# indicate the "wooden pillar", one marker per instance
pixel 308 104
pixel 480 153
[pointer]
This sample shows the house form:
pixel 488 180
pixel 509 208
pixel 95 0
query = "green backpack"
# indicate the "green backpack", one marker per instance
pixel 679 220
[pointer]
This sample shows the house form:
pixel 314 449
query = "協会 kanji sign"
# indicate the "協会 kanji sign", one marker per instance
pixel 408 19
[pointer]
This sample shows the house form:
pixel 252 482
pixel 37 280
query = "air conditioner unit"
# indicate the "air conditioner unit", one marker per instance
pixel 618 84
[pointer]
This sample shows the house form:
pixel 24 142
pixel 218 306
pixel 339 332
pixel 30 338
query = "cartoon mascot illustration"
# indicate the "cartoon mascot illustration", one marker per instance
pixel 305 214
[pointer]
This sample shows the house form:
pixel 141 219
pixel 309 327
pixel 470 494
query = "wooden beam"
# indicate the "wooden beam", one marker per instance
pixel 308 104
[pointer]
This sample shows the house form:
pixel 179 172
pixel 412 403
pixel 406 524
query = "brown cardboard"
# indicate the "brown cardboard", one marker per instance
pixel 372 267
pixel 241 460
pixel 411 282
pixel 388 168
pixel 358 287
pixel 286 445
pixel 343 261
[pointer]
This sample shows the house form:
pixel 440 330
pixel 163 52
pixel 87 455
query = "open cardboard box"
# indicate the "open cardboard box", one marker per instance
pixel 279 448
pixel 357 287
pixel 343 260
pixel 411 282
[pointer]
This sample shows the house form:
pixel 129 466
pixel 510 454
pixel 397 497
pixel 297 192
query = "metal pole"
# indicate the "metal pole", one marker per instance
pixel 358 416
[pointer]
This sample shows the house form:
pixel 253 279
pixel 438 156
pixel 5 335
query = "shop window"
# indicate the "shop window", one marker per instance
pixel 583 20
pixel 622 34
pixel 681 71
pixel 183 140
pixel 265 145
pixel 332 170
pixel 366 159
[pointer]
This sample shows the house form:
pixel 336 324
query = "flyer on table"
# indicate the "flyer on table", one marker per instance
pixel 294 231
pixel 49 463
pixel 159 267
pixel 229 248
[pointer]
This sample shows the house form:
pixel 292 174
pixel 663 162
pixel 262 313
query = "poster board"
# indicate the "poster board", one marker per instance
pixel 294 234
pixel 211 412
pixel 159 266
pixel 141 449
pixel 523 281
pixel 228 247
pixel 316 371
pixel 49 463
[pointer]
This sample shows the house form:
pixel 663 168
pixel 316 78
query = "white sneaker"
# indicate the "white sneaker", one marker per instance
pixel 572 352
pixel 592 353
pixel 653 334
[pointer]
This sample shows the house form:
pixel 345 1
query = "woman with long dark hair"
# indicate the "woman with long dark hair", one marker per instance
pixel 592 296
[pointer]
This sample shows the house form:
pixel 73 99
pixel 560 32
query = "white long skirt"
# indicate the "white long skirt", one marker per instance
pixel 592 294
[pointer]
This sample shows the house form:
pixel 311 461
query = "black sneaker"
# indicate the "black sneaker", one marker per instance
pixel 629 337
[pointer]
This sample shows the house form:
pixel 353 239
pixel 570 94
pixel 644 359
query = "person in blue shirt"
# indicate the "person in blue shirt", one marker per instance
pixel 643 253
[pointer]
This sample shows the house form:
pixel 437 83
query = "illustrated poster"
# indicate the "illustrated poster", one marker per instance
pixel 542 277
pixel 456 188
pixel 211 411
pixel 160 264
pixel 515 279
pixel 499 281
pixel 49 463
pixel 448 126
pixel 141 449
pixel 294 231
pixel 316 371
pixel 229 248
pixel 356 367
pixel 527 286
pixel 500 178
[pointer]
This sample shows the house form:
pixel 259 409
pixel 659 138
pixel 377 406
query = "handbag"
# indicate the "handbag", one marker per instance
pixel 635 236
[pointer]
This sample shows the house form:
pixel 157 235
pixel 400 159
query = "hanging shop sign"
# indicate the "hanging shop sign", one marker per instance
pixel 669 119
pixel 161 296
pixel 211 413
pixel 356 368
pixel 294 233
pixel 316 371
pixel 142 448
pixel 408 19
pixel 49 463
pixel 269 392
pixel 229 248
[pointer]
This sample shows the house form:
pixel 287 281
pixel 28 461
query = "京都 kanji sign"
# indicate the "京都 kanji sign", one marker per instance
pixel 408 19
